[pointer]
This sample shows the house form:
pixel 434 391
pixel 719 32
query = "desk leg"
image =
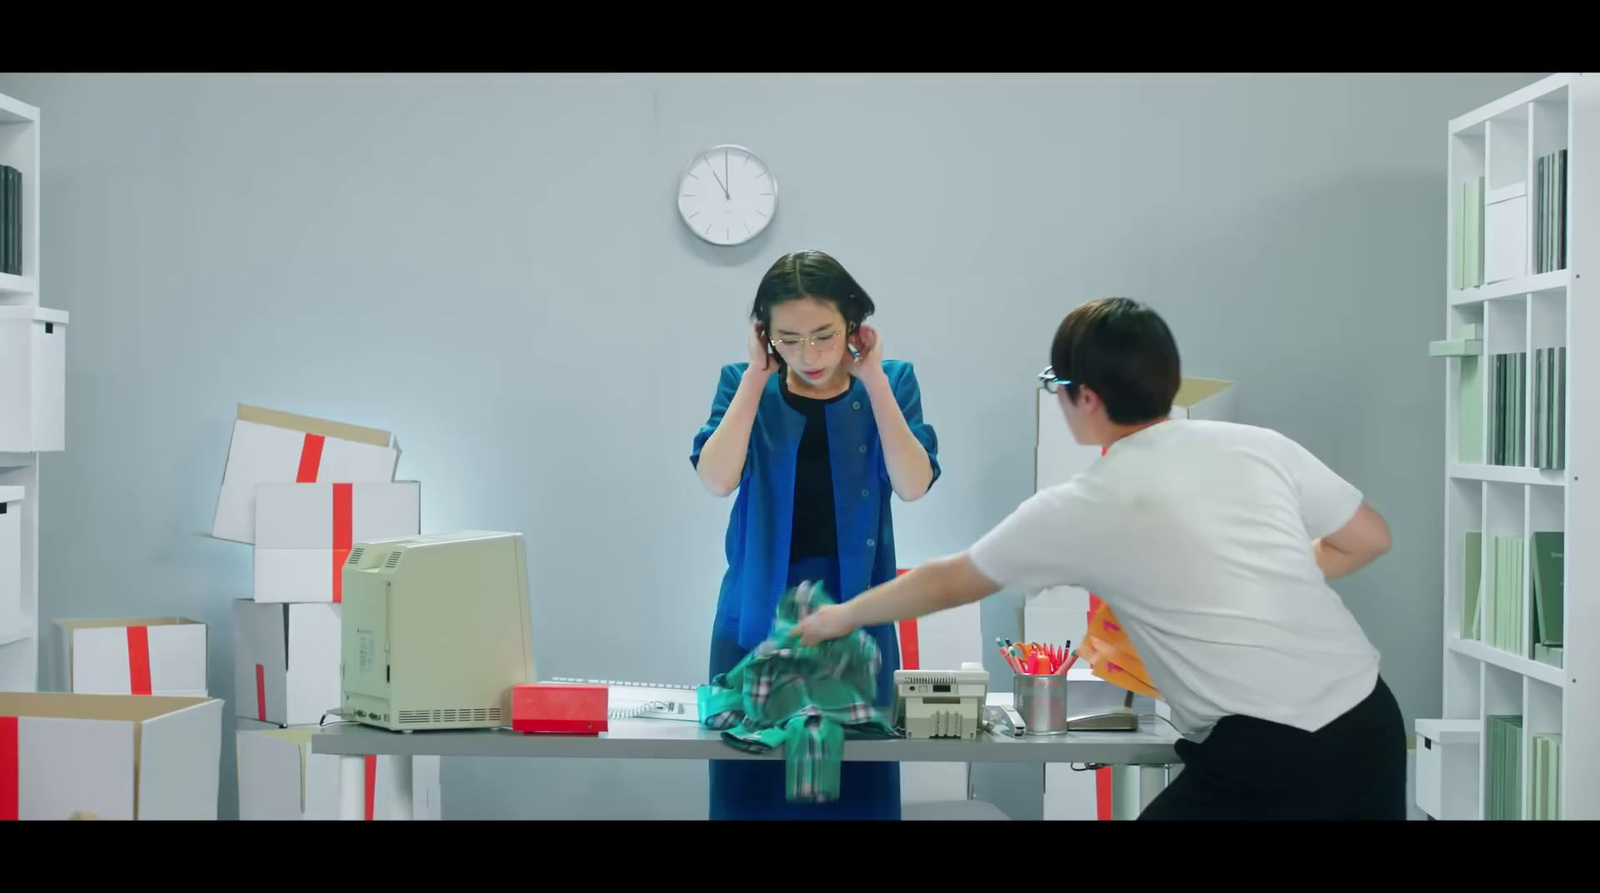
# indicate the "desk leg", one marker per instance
pixel 1152 781
pixel 352 788
pixel 400 798
pixel 1124 793
pixel 1132 789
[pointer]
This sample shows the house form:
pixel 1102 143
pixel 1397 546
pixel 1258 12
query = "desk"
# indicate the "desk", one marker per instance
pixel 1147 752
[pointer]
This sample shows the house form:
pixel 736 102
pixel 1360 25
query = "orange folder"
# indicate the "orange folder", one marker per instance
pixel 1111 654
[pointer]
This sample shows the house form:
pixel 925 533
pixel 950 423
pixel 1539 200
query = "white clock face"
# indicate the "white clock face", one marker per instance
pixel 727 195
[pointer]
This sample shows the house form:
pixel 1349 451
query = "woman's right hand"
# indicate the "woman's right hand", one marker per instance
pixel 760 360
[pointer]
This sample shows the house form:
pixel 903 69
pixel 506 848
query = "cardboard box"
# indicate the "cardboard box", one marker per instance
pixel 13 620
pixel 285 662
pixel 33 380
pixel 114 756
pixel 304 533
pixel 270 447
pixel 1204 398
pixel 162 656
pixel 280 779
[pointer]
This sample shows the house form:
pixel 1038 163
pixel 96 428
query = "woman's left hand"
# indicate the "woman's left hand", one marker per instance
pixel 826 623
pixel 871 346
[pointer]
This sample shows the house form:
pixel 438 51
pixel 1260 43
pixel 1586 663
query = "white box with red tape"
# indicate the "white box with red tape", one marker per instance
pixel 304 533
pixel 280 779
pixel 158 656
pixel 270 447
pixel 109 756
pixel 285 661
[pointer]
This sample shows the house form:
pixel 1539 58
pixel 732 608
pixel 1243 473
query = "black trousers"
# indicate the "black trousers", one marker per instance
pixel 1251 769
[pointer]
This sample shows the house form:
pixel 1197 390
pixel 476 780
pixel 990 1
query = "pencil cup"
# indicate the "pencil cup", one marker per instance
pixel 1042 701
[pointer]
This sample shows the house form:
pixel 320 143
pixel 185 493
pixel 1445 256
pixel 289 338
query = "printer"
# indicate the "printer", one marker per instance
pixel 941 703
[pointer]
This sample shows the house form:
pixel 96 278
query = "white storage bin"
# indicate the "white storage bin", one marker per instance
pixel 1447 767
pixel 33 379
pixel 12 621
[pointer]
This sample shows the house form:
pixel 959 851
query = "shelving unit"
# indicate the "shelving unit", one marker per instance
pixel 1509 288
pixel 19 633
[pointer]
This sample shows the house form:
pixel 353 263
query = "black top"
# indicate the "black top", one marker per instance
pixel 814 534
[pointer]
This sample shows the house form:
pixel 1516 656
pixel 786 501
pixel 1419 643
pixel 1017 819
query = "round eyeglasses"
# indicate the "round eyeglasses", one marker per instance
pixel 1048 380
pixel 825 341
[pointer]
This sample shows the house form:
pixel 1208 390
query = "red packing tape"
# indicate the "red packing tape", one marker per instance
pixel 343 534
pixel 139 660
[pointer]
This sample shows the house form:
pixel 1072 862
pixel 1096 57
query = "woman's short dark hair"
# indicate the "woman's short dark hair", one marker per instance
pixel 1122 350
pixel 811 274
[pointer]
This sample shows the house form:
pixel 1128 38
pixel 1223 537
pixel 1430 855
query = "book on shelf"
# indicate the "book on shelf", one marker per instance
pixel 1544 777
pixel 1469 235
pixel 10 220
pixel 1503 769
pixel 1548 585
pixel 1505 627
pixel 1550 217
pixel 1508 423
pixel 1473 558
pixel 1549 407
pixel 1469 410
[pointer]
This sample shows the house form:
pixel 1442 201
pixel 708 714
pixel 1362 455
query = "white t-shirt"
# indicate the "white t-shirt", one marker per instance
pixel 1198 535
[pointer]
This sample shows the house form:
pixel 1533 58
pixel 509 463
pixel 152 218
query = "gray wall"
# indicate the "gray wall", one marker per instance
pixel 492 267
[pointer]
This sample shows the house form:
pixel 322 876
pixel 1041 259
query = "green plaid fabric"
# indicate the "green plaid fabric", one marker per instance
pixel 805 699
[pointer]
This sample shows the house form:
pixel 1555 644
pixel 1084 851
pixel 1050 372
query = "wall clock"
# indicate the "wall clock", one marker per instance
pixel 727 195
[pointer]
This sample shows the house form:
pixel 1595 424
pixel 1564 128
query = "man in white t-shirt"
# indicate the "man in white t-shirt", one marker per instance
pixel 1213 543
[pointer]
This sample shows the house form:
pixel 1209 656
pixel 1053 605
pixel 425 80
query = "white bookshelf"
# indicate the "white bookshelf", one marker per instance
pixel 19 639
pixel 1519 309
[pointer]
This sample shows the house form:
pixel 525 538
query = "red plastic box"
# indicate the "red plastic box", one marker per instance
pixel 559 708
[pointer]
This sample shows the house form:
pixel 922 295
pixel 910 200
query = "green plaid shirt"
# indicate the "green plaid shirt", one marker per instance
pixel 805 699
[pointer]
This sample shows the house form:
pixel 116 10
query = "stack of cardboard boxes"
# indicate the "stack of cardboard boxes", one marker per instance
pixel 301 492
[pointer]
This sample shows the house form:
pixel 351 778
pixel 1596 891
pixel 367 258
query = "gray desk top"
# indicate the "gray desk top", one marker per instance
pixel 664 739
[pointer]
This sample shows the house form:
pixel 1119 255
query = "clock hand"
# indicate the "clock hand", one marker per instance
pixel 718 179
pixel 725 177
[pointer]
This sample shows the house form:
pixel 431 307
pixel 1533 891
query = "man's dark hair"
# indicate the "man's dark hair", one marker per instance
pixel 1122 350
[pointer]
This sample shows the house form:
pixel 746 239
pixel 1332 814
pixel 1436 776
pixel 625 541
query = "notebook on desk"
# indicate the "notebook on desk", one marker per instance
pixel 646 700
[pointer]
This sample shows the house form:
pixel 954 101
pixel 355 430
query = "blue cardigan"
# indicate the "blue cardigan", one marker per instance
pixel 763 512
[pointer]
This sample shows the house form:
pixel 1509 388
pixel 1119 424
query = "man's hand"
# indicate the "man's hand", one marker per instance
pixel 826 623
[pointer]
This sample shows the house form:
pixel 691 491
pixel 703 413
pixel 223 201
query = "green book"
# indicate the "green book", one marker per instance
pixel 1522 408
pixel 5 219
pixel 1541 217
pixel 1538 408
pixel 1469 410
pixel 1561 409
pixel 1473 585
pixel 1549 574
pixel 1549 655
pixel 1460 347
pixel 1551 408
pixel 1497 616
pixel 1561 210
pixel 1524 628
pixel 1497 364
pixel 1477 232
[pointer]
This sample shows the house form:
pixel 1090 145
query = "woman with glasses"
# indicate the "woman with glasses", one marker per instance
pixel 814 432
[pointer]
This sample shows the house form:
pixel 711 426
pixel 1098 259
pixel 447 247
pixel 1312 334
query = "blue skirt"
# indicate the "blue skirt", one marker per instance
pixel 742 790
